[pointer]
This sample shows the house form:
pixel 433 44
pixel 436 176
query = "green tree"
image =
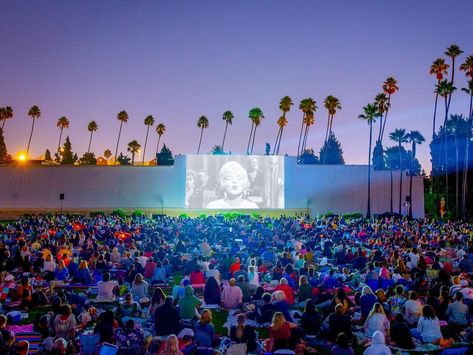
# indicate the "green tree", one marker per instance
pixel 228 118
pixel 369 115
pixel 453 52
pixel 415 138
pixel 400 137
pixel 61 123
pixel 217 150
pixel 306 105
pixel 332 104
pixel 256 116
pixel 122 116
pixel 309 121
pixel 67 157
pixel 47 155
pixel 88 159
pixel 34 113
pixel 285 106
pixel 133 147
pixel 165 157
pixel 3 147
pixel 438 68
pixel 91 127
pixel 160 130
pixel 308 157
pixel 6 113
pixel 331 152
pixel 149 121
pixel 107 153
pixel 202 123
pixel 123 159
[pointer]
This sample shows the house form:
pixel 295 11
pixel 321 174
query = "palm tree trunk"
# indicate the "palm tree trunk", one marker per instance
pixel 29 140
pixel 380 128
pixel 253 142
pixel 144 148
pixel 457 173
pixel 224 135
pixel 368 209
pixel 277 141
pixel 157 147
pixel 118 142
pixel 280 138
pixel 200 140
pixel 386 117
pixel 328 124
pixel 300 135
pixel 132 159
pixel 59 143
pixel 435 112
pixel 304 140
pixel 330 128
pixel 410 179
pixel 400 178
pixel 392 192
pixel 249 139
pixel 90 142
pixel 466 164
pixel 3 124
pixel 445 149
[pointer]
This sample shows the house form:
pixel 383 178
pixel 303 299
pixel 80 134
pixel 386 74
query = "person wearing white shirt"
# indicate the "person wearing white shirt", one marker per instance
pixel 213 273
pixel 106 289
pixel 412 308
pixel 428 327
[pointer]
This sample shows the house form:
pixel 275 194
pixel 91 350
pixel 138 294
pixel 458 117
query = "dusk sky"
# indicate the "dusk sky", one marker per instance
pixel 178 60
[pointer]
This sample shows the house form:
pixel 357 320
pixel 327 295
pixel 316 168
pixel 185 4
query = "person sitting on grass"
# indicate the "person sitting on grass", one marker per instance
pixel 7 338
pixel 342 346
pixel 204 333
pixel 243 334
pixel 232 296
pixel 189 304
pixel 107 289
pixel 129 307
pixel 428 327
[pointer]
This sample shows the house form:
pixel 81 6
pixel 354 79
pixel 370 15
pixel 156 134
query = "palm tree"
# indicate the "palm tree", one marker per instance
pixel 6 113
pixel 389 87
pixel 445 89
pixel 34 113
pixel 469 91
pixel 370 113
pixel 107 154
pixel 256 116
pixel 414 137
pixel 133 148
pixel 92 127
pixel 309 121
pixel 438 68
pixel 160 130
pixel 61 123
pixel 285 106
pixel 122 116
pixel 382 105
pixel 149 121
pixel 202 123
pixel 399 136
pixel 467 66
pixel 228 118
pixel 305 106
pixel 332 104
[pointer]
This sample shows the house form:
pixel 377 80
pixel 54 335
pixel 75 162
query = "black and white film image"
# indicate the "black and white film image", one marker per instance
pixel 234 182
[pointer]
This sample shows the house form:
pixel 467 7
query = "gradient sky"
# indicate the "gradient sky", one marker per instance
pixel 178 60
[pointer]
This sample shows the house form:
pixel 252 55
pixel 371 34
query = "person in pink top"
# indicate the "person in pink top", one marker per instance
pixel 232 296
pixel 284 287
pixel 149 268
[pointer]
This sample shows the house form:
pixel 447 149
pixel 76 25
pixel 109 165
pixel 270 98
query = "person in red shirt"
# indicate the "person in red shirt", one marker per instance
pixel 197 277
pixel 280 331
pixel 235 266
pixel 288 292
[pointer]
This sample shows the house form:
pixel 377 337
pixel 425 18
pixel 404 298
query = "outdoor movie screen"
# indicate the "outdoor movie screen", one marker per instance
pixel 234 182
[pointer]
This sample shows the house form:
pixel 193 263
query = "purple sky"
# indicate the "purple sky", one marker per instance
pixel 178 60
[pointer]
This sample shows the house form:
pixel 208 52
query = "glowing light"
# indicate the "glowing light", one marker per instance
pixel 22 157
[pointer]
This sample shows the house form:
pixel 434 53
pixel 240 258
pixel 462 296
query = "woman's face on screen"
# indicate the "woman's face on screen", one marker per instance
pixel 234 180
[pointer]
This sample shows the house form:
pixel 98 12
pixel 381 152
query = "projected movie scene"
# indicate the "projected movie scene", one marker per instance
pixel 234 182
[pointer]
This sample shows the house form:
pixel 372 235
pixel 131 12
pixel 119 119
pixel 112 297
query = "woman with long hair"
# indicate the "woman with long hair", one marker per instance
pixel 204 333
pixel 243 334
pixel 139 288
pixel 280 332
pixel 61 273
pixel 172 346
pixel 310 319
pixel 428 327
pixel 157 300
pixel 377 320
pixel 212 291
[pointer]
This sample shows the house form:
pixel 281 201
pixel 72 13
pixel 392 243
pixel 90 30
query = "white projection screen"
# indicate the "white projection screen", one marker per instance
pixel 234 182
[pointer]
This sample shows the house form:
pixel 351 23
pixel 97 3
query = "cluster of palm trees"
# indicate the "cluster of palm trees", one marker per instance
pixel 444 88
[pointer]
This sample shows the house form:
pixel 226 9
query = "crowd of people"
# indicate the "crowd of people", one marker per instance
pixel 143 285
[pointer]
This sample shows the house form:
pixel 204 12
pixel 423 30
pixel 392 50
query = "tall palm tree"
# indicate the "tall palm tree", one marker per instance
pixel 390 88
pixel 438 68
pixel 228 118
pixel 309 121
pixel 467 66
pixel 382 105
pixel 256 117
pixel 122 116
pixel 202 123
pixel 6 114
pixel 91 127
pixel 285 106
pixel 370 113
pixel 399 136
pixel 34 113
pixel 415 138
pixel 61 123
pixel 133 148
pixel 149 121
pixel 160 130
pixel 305 106
pixel 107 154
pixel 332 104
pixel 445 89
pixel 469 91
